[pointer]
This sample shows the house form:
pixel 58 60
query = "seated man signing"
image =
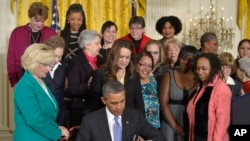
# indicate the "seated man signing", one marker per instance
pixel 114 121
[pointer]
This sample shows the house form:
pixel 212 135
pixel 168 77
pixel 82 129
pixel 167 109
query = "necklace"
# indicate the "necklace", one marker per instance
pixel 35 36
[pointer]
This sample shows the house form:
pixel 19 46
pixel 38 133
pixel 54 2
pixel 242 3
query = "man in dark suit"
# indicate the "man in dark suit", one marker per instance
pixel 99 125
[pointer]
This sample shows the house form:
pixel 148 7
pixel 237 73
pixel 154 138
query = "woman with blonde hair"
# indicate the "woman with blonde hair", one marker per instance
pixel 172 49
pixel 155 48
pixel 35 107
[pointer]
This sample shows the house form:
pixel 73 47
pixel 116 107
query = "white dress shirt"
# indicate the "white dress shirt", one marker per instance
pixel 111 122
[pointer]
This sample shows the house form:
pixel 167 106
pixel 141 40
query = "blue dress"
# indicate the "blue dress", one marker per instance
pixel 151 102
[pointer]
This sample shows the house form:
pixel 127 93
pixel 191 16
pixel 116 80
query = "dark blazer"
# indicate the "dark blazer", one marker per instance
pixel 56 85
pixel 235 89
pixel 132 88
pixel 94 127
pixel 239 110
pixel 79 71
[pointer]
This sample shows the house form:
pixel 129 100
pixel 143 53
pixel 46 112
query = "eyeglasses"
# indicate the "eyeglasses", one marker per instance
pixel 135 28
pixel 214 43
pixel 145 65
pixel 226 67
pixel 153 52
pixel 51 65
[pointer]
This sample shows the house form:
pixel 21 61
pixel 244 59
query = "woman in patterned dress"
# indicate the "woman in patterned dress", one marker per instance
pixel 144 66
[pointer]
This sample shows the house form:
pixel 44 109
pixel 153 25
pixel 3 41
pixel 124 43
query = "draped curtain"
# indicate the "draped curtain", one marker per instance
pixel 96 12
pixel 243 17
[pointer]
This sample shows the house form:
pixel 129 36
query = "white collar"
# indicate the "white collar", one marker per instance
pixel 230 81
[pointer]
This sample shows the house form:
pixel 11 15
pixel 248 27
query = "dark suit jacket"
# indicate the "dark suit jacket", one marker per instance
pixel 56 85
pixel 79 71
pixel 132 87
pixel 235 89
pixel 94 127
pixel 239 110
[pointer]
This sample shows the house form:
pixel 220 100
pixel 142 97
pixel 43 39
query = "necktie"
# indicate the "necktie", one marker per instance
pixel 117 130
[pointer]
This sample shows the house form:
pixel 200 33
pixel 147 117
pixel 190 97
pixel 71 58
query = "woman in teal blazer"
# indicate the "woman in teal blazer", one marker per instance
pixel 34 105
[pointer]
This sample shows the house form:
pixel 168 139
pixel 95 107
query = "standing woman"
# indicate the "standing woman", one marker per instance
pixel 244 48
pixel 243 73
pixel 168 27
pixel 109 33
pixel 156 50
pixel 74 24
pixel 22 36
pixel 228 67
pixel 56 77
pixel 144 65
pixel 119 66
pixel 176 87
pixel 172 49
pixel 209 108
pixel 80 71
pixel 35 107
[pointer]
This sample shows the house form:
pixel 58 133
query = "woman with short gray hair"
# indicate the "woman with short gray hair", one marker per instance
pixel 86 37
pixel 243 73
pixel 80 71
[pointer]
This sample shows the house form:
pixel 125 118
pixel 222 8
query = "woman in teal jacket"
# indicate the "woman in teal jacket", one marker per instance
pixel 34 105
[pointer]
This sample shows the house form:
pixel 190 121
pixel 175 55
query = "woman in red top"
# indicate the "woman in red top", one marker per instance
pixel 23 36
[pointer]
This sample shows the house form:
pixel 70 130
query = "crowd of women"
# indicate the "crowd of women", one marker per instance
pixel 183 92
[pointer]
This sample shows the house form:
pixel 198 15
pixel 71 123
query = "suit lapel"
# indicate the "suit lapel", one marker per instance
pixel 103 125
pixel 126 127
pixel 40 91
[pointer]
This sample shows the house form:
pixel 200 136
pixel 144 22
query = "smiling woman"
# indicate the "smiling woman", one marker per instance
pixel 144 64
pixel 33 32
pixel 209 107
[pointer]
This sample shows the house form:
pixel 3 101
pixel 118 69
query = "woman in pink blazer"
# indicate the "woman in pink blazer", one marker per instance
pixel 209 108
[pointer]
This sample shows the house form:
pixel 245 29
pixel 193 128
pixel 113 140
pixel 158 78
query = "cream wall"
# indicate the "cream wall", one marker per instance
pixel 7 24
pixel 184 9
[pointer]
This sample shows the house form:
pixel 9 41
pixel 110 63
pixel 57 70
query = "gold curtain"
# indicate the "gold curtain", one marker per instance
pixel 243 17
pixel 96 12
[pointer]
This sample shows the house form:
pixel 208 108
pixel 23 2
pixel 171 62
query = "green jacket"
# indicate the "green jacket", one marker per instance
pixel 34 112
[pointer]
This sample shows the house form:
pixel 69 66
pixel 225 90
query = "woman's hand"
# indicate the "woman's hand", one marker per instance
pixel 179 130
pixel 65 132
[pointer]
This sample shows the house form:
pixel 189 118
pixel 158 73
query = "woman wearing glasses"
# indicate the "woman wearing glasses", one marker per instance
pixel 144 65
pixel 35 107
pixel 154 47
